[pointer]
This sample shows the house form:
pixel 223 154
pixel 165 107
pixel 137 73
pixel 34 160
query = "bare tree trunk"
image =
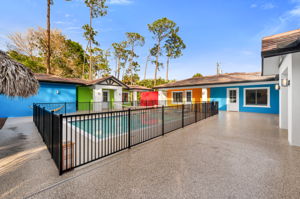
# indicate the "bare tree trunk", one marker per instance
pixel 167 70
pixel 131 67
pixel 156 68
pixel 123 72
pixel 148 59
pixel 118 68
pixel 84 60
pixel 82 76
pixel 48 37
pixel 90 45
pixel 157 64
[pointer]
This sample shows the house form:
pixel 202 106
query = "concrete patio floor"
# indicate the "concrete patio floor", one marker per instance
pixel 232 155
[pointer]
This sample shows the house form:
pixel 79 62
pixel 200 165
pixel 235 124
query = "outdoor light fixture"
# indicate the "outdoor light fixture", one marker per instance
pixel 285 82
pixel 277 87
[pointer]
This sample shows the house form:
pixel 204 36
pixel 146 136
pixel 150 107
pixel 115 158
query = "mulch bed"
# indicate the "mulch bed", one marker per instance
pixel 2 122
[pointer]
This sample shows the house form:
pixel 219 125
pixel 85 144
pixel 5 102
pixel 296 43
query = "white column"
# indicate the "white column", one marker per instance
pixel 162 97
pixel 294 101
pixel 135 100
pixel 204 94
pixel 283 107
pixel 118 98
pixel 283 92
pixel 283 98
pixel 98 98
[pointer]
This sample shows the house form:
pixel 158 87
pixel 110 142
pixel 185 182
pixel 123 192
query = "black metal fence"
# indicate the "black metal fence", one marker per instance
pixel 95 107
pixel 75 140
pixel 49 126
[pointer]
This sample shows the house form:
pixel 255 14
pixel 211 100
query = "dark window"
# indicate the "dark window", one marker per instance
pixel 125 97
pixel 232 96
pixel 188 96
pixel 257 97
pixel 105 96
pixel 177 97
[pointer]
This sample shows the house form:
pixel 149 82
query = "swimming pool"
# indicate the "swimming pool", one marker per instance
pixel 117 125
pixel 104 127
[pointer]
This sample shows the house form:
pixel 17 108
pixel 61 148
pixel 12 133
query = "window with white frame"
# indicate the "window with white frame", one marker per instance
pixel 188 96
pixel 257 97
pixel 177 97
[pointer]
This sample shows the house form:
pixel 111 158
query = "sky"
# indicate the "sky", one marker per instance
pixel 225 31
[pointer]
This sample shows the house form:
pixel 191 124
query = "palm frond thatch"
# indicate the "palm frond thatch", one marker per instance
pixel 15 78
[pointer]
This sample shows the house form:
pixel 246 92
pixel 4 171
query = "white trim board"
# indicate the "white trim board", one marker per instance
pixel 186 96
pixel 221 85
pixel 257 106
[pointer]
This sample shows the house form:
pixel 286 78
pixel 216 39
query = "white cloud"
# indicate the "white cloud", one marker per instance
pixel 268 6
pixel 279 24
pixel 120 2
pixel 59 22
pixel 264 6
pixel 253 5
pixel 294 12
pixel 247 52
pixel 73 28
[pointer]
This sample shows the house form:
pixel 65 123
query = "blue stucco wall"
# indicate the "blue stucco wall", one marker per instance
pixel 17 107
pixel 219 94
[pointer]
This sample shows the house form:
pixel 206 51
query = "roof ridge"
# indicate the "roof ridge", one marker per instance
pixel 236 77
pixel 281 34
pixel 233 73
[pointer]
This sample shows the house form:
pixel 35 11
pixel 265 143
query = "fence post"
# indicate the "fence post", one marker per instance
pixel 129 129
pixel 89 107
pixel 33 111
pixel 76 104
pixel 195 112
pixel 163 120
pixel 65 108
pixel 37 118
pixel 43 124
pixel 182 115
pixel 61 144
pixel 52 113
pixel 205 109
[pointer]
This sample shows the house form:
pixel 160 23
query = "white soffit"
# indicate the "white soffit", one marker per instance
pixel 271 65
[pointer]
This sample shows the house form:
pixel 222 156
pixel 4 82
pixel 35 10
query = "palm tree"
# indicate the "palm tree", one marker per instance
pixel 97 9
pixel 146 66
pixel 49 3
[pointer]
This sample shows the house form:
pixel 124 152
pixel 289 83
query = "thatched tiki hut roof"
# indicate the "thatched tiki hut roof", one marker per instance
pixel 15 78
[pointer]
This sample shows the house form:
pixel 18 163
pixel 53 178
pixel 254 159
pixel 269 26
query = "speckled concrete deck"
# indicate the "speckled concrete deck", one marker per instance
pixel 232 155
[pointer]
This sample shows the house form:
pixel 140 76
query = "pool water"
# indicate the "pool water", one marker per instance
pixel 114 125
